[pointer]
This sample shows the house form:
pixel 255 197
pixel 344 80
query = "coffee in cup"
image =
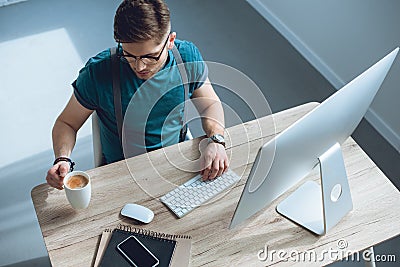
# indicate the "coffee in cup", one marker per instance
pixel 78 189
pixel 77 181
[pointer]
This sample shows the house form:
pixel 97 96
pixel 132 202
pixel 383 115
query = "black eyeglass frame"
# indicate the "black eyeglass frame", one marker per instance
pixel 124 57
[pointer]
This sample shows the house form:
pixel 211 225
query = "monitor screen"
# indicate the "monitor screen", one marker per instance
pixel 291 155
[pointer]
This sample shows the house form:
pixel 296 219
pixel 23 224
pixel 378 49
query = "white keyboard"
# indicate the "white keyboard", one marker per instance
pixel 195 192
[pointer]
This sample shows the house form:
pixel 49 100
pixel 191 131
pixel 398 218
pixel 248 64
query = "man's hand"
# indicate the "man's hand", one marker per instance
pixel 214 161
pixel 56 174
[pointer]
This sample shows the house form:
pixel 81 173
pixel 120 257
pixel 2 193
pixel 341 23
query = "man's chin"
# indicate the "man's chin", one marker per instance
pixel 144 75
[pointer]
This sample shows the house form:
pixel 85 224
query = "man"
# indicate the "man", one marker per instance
pixel 142 30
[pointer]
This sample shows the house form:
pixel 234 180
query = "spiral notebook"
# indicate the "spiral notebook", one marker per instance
pixel 171 250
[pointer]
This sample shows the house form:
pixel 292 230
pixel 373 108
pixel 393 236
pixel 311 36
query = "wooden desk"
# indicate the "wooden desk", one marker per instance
pixel 71 236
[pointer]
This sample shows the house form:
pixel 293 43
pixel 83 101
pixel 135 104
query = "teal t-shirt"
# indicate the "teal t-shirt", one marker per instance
pixel 152 109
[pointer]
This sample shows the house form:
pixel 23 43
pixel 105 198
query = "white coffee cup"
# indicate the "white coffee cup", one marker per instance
pixel 78 189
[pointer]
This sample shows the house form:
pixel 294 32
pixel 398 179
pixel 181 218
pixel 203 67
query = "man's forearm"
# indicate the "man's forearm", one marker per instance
pixel 64 138
pixel 211 127
pixel 213 120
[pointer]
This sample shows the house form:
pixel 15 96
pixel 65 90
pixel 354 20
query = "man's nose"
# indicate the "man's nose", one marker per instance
pixel 140 65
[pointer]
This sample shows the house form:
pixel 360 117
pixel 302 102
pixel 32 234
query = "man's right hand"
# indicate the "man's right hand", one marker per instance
pixel 56 174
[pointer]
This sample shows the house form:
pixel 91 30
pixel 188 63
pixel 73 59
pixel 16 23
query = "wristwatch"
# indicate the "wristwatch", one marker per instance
pixel 218 138
pixel 71 163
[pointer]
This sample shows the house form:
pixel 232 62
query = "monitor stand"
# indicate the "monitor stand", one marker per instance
pixel 320 207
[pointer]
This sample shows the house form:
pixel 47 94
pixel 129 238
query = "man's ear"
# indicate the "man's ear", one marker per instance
pixel 172 37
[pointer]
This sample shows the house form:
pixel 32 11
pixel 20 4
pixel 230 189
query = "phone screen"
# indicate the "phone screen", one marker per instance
pixel 136 253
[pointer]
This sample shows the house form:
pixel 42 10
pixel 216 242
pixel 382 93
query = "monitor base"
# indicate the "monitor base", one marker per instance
pixel 320 207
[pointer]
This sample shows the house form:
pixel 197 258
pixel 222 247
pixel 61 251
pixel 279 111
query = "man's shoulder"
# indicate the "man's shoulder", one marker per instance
pixel 182 44
pixel 96 69
pixel 188 50
pixel 100 60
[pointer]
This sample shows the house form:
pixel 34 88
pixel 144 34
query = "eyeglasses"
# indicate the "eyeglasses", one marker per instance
pixel 147 60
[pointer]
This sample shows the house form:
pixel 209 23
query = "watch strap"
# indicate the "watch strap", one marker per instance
pixel 214 139
pixel 71 163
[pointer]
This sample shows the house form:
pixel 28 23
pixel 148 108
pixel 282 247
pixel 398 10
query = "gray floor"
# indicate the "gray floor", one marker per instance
pixel 225 31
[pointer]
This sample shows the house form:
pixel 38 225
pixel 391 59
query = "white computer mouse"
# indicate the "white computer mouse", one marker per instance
pixel 138 212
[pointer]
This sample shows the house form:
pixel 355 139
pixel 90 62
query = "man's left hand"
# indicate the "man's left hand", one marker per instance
pixel 214 161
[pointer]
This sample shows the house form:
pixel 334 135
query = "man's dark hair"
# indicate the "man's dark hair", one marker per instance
pixel 141 20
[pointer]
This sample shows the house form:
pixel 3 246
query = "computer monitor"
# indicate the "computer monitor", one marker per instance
pixel 315 138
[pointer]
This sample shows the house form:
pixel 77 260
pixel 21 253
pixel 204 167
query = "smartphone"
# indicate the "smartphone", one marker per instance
pixel 137 253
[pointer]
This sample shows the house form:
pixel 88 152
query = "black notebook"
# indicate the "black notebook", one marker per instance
pixel 161 245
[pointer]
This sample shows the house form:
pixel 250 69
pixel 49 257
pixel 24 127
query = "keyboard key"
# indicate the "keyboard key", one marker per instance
pixel 195 192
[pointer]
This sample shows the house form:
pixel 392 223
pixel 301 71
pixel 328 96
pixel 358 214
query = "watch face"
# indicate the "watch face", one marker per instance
pixel 218 138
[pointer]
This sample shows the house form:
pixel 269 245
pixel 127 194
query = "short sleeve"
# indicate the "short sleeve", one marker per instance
pixel 195 66
pixel 85 88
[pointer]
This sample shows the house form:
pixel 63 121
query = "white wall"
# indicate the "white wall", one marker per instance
pixel 43 45
pixel 9 2
pixel 342 38
pixel 36 72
